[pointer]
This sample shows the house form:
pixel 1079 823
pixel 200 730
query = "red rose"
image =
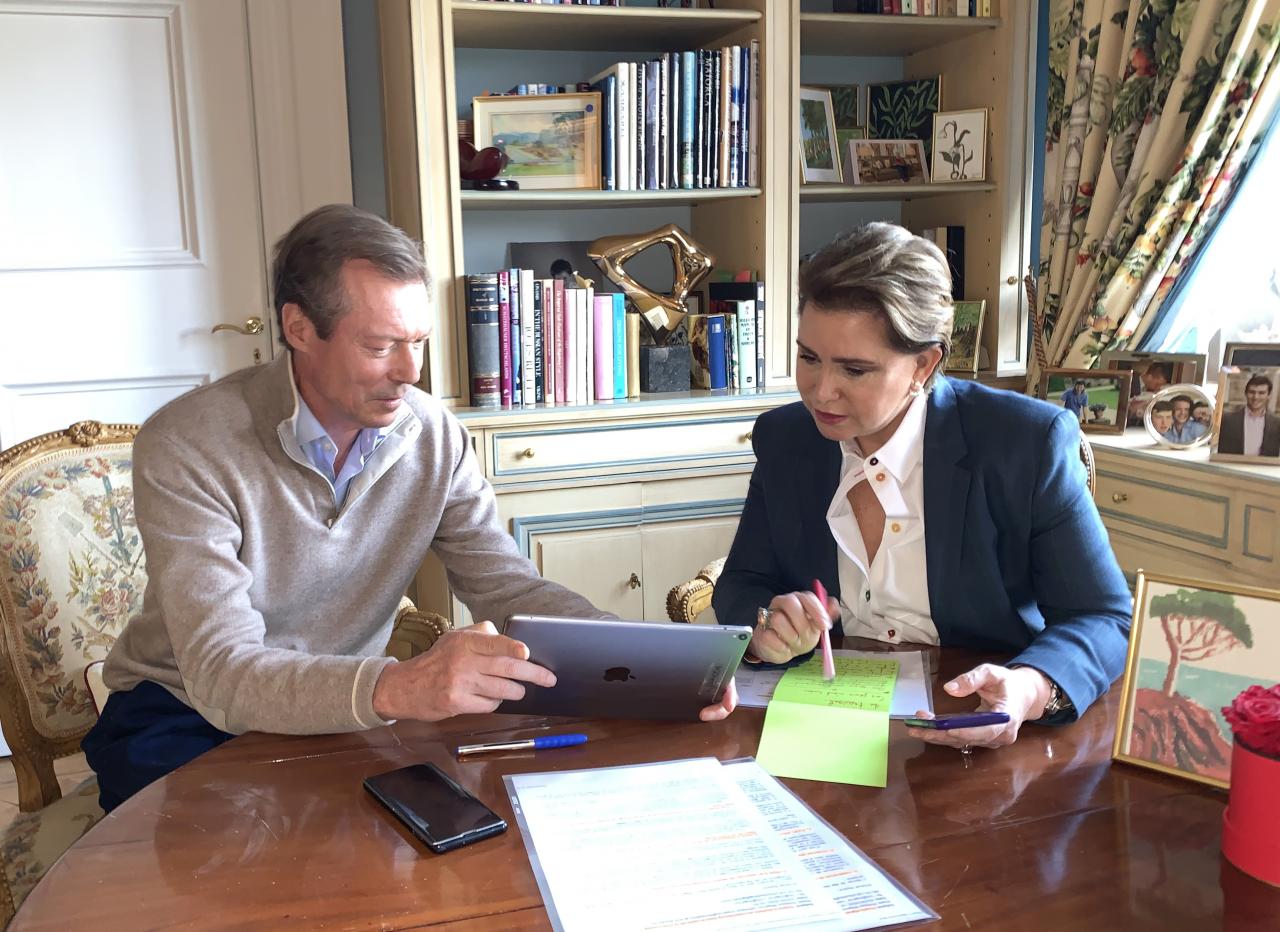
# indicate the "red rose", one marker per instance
pixel 1254 717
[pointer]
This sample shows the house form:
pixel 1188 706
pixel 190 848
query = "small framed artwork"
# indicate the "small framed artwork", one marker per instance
pixel 904 110
pixel 1194 646
pixel 1180 416
pixel 1251 354
pixel 1097 397
pixel 959 145
pixel 887 161
pixel 1247 426
pixel 551 140
pixel 966 333
pixel 850 117
pixel 818 153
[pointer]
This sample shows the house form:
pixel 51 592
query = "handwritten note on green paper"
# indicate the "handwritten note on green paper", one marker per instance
pixel 834 731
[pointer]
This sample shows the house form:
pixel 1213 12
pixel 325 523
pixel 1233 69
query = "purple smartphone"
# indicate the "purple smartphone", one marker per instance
pixel 963 720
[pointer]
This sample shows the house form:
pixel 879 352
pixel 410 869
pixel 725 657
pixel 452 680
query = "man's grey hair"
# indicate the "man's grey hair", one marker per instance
pixel 883 269
pixel 308 261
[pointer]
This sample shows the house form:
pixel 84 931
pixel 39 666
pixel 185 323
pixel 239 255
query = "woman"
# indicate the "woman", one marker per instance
pixel 932 511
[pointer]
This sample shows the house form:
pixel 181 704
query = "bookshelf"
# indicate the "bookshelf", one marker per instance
pixel 984 62
pixel 622 499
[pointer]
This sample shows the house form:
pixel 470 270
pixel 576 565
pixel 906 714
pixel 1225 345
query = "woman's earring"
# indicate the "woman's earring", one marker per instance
pixel 916 387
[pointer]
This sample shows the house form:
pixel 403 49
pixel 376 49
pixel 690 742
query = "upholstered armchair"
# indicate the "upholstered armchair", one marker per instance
pixel 72 573
pixel 690 599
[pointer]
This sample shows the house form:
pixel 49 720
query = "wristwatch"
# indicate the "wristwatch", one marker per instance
pixel 1058 701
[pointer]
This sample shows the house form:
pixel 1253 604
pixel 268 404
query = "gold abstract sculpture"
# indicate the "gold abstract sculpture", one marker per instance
pixel 692 264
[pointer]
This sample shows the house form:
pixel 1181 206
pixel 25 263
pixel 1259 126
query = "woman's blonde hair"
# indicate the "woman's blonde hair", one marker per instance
pixel 883 269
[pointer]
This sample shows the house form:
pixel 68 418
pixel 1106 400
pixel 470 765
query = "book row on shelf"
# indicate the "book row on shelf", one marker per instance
pixel 683 120
pixel 547 341
pixel 915 7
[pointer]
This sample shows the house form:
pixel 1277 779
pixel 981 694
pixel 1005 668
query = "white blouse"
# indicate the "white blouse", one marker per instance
pixel 889 600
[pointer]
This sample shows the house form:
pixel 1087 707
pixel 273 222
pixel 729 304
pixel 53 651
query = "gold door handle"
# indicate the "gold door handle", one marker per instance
pixel 1011 280
pixel 746 438
pixel 526 454
pixel 1119 497
pixel 252 327
pixel 633 582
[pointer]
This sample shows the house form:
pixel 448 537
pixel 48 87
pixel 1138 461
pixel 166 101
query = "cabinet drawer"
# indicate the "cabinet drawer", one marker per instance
pixel 1181 512
pixel 671 444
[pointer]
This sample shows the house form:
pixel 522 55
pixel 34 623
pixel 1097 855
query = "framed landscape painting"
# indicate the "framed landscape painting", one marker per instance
pixel 819 156
pixel 966 334
pixel 1194 646
pixel 552 140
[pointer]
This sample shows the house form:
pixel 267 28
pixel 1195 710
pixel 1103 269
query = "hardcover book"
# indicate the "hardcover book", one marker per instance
pixel 707 350
pixel 483 355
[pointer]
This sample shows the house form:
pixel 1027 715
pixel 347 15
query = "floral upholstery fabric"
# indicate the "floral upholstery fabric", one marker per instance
pixel 35 840
pixel 72 572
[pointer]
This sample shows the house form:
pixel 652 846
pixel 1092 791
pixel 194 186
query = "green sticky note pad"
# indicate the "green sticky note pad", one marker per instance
pixel 817 742
pixel 859 684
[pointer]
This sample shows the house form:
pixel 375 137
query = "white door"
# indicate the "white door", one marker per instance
pixel 130 219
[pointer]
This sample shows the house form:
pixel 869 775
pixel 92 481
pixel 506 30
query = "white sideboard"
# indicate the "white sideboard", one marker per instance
pixel 1174 512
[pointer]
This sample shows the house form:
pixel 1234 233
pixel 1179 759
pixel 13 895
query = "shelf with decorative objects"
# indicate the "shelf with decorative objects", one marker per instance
pixel 833 193
pixel 577 200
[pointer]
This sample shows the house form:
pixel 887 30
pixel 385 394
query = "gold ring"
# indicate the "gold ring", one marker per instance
pixel 764 618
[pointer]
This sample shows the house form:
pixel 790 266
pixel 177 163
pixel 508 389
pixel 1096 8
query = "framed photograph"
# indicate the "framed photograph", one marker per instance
pixel 904 110
pixel 887 161
pixel 1247 428
pixel 1152 373
pixel 1192 648
pixel 819 156
pixel 1097 397
pixel 959 145
pixel 966 334
pixel 1251 354
pixel 552 140
pixel 1180 416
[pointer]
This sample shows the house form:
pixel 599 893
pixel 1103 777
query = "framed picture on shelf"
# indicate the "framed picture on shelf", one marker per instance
pixel 1152 373
pixel 887 161
pixel 1251 354
pixel 966 334
pixel 1247 427
pixel 850 116
pixel 1180 416
pixel 904 110
pixel 960 145
pixel 1097 397
pixel 819 156
pixel 1194 646
pixel 552 140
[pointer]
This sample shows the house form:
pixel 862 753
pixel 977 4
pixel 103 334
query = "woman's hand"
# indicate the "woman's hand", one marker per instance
pixel 1021 692
pixel 793 626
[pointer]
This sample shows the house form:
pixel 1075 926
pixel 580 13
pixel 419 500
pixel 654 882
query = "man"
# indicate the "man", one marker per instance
pixel 1251 431
pixel 1076 400
pixel 285 508
pixel 1184 429
pixel 1153 378
pixel 1202 411
pixel 1162 418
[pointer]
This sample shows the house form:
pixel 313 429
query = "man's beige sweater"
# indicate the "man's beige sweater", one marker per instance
pixel 268 608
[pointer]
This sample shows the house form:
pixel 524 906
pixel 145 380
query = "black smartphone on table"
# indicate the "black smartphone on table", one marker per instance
pixel 434 807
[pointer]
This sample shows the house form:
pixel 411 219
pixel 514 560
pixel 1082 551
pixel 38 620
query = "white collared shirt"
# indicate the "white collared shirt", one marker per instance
pixel 1253 430
pixel 889 600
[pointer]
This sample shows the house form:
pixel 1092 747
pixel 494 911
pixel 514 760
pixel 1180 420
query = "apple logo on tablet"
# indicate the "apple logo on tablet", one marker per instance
pixel 618 674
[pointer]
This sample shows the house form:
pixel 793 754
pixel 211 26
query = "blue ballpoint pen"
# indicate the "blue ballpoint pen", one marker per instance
pixel 529 744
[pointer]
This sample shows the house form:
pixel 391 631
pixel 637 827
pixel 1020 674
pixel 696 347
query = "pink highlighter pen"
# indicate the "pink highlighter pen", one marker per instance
pixel 828 661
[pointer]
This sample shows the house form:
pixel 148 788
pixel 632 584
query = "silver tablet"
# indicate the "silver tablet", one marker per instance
pixel 626 669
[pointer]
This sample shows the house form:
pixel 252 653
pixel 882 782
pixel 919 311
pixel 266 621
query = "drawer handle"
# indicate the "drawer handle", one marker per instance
pixel 526 453
pixel 1119 497
pixel 633 582
pixel 746 438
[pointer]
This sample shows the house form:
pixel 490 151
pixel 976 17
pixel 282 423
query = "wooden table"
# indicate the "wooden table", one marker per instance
pixel 274 832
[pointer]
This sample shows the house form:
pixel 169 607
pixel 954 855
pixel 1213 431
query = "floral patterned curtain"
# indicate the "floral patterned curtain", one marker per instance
pixel 1152 106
